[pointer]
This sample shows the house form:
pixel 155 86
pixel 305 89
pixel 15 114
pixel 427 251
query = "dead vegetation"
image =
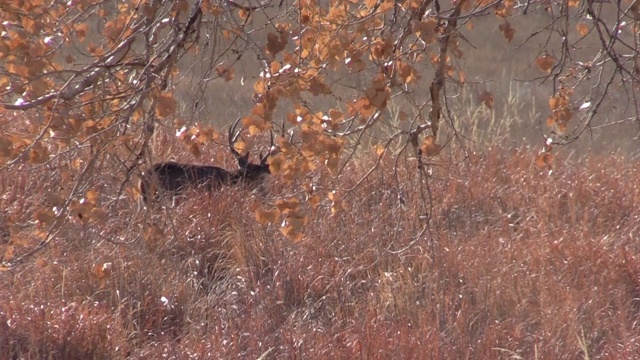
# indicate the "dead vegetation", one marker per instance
pixel 517 262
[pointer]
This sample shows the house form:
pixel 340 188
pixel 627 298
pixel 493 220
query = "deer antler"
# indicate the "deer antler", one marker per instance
pixel 233 137
pixel 272 150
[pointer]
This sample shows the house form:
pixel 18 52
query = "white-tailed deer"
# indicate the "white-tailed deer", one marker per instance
pixel 171 178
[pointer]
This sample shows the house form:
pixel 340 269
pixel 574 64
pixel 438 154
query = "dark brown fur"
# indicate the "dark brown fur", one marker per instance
pixel 173 178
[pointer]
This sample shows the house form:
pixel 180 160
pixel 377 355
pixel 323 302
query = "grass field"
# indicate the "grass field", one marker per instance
pixel 516 262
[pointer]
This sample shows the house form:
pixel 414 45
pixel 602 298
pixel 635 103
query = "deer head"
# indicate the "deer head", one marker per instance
pixel 248 172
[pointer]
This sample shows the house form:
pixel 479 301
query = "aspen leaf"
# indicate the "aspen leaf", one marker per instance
pixel 545 62
pixel 551 121
pixel 29 24
pixel 332 164
pixel 335 115
pixel 361 106
pixel 275 67
pixel 291 233
pixel 240 146
pixel 582 28
pixel 314 200
pixel 45 217
pixel 337 204
pixel 486 98
pixel 407 73
pixel 507 31
pixel 379 149
pixel 38 154
pixel 318 87
pixel 292 226
pixel 81 30
pixel 287 205
pixel 355 65
pixel 41 262
pixel 102 271
pixel 429 146
pixel 92 197
pixel 113 29
pixel 276 163
pixel 296 220
pixel 255 124
pixel 427 30
pixel 225 72
pixel 275 43
pixel 216 10
pixel 378 98
pixel 6 147
pixel 267 216
pixel 166 105
pixel 544 160
pixel 561 127
pixel 8 253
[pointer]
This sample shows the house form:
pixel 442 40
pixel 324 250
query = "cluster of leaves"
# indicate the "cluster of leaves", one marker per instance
pixel 88 85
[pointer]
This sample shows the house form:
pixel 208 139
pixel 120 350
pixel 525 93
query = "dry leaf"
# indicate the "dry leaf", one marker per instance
pixel 545 62
pixel 507 31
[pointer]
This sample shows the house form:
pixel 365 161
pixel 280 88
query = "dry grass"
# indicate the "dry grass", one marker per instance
pixel 517 263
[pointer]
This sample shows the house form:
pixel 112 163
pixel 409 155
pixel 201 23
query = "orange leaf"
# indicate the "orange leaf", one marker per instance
pixel 486 98
pixel 287 205
pixel 225 72
pixel 545 62
pixel 166 105
pixel 551 121
pixel 92 197
pixel 363 107
pixel 81 30
pixel 544 160
pixel 275 43
pixel 291 233
pixel 507 31
pixel 429 146
pixel 582 28
pixel 267 216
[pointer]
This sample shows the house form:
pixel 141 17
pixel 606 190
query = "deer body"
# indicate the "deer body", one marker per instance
pixel 173 177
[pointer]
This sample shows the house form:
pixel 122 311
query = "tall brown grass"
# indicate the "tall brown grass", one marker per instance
pixel 516 262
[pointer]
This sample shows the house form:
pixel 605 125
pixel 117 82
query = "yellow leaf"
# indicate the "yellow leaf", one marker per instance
pixel 92 197
pixel 582 28
pixel 166 105
pixel 8 253
pixel 81 30
pixel 267 216
pixel 379 149
pixel 225 72
pixel 544 160
pixel 545 62
pixel 291 233
pixel 429 146
pixel 287 205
